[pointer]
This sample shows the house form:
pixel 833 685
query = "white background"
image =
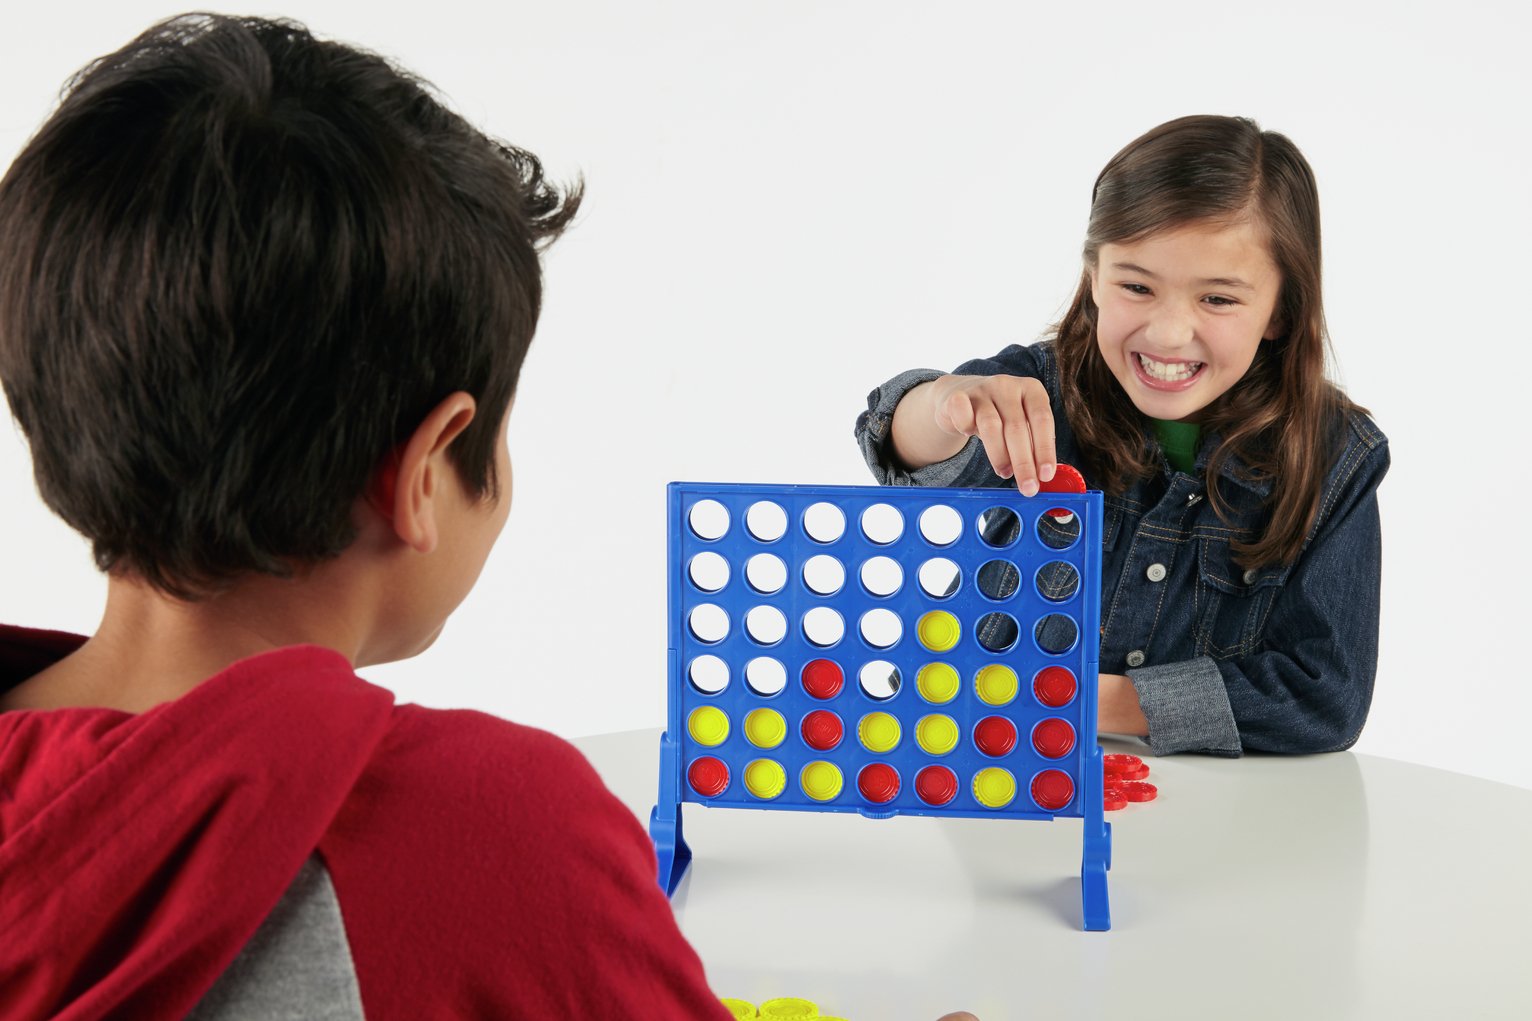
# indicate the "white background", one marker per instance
pixel 790 202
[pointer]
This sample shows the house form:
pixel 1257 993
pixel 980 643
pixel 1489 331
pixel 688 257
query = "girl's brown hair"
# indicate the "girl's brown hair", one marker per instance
pixel 1279 419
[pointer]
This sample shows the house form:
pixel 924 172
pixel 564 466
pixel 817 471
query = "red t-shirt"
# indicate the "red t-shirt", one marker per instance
pixel 481 867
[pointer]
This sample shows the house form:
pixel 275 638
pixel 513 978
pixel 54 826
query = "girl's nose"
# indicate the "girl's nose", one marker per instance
pixel 1170 327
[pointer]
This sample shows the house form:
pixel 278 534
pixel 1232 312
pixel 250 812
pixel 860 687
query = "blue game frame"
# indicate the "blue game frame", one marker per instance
pixel 1033 547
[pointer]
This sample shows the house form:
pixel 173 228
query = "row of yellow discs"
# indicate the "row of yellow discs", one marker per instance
pixel 783 1007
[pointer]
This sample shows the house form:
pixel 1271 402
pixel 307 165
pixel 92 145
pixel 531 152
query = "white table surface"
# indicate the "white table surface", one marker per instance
pixel 1331 886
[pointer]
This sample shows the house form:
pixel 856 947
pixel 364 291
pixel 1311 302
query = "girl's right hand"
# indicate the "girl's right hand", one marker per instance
pixel 1010 415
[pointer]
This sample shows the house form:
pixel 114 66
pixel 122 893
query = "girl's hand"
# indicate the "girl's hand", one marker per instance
pixel 1009 414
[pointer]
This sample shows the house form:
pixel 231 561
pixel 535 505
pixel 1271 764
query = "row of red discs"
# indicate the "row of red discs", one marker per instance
pixel 1123 781
pixel 879 783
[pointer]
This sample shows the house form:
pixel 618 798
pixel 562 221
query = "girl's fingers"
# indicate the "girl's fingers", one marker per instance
pixel 956 414
pixel 990 429
pixel 1034 403
pixel 1018 442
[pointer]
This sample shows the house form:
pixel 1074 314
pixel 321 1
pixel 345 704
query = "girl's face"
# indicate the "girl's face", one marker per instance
pixel 1182 312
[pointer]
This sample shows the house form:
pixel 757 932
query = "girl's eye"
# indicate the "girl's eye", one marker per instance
pixel 1220 300
pixel 1135 288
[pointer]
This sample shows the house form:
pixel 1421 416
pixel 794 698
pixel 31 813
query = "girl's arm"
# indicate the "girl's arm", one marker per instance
pixel 1009 414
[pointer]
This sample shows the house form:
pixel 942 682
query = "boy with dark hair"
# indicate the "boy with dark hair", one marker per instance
pixel 263 304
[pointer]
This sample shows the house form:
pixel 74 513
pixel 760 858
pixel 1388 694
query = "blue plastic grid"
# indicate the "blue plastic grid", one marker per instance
pixel 981 539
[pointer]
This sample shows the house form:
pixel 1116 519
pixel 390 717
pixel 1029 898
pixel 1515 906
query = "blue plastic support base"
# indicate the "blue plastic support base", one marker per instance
pixel 665 822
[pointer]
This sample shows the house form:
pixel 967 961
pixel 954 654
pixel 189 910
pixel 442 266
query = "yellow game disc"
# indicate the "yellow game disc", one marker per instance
pixel 937 683
pixel 878 732
pixel 765 728
pixel 739 1008
pixel 996 685
pixel 936 734
pixel 708 726
pixel 994 787
pixel 939 630
pixel 787 1006
pixel 765 779
pixel 821 780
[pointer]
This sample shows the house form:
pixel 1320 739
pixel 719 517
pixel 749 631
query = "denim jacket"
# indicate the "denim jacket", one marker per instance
pixel 1279 659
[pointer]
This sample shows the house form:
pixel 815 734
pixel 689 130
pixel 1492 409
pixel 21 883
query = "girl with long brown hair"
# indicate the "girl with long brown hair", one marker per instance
pixel 1241 540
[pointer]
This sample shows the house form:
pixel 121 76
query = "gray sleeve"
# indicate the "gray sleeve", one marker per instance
pixel 968 467
pixel 1187 706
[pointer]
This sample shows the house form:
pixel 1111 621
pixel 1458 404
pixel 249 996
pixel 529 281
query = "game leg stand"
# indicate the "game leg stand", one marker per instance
pixel 885 651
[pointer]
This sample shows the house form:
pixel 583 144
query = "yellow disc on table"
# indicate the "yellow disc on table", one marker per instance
pixel 788 1006
pixel 936 734
pixel 821 780
pixel 937 683
pixel 765 728
pixel 994 787
pixel 708 726
pixel 939 630
pixel 878 732
pixel 739 1008
pixel 996 685
pixel 765 779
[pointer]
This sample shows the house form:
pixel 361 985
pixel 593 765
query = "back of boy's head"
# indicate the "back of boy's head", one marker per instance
pixel 238 266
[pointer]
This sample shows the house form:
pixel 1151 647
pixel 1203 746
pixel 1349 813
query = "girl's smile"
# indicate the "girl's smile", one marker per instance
pixel 1182 313
pixel 1169 374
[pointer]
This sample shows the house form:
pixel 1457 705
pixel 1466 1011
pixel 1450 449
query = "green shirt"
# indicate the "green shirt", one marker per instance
pixel 1180 442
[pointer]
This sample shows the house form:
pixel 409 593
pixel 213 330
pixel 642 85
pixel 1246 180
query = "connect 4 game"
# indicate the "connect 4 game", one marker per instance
pixel 886 651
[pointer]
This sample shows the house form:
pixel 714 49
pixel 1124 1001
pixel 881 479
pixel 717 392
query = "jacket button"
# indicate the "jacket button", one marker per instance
pixel 1156 572
pixel 1250 577
pixel 1193 498
pixel 1136 658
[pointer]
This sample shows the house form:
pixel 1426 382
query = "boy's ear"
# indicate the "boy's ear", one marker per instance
pixel 409 482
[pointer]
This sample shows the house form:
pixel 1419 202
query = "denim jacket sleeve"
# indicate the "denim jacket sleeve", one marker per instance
pixel 1308 685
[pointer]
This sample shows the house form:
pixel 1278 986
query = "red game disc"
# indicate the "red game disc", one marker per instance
pixel 879 783
pixel 708 776
pixel 822 730
pixel 936 785
pixel 1053 738
pixel 1134 774
pixel 1054 686
pixel 1114 799
pixel 822 678
pixel 1066 479
pixel 1052 789
pixel 995 736
pixel 1117 764
pixel 1137 790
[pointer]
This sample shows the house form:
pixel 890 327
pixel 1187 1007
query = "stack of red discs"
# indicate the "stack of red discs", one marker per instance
pixel 1124 776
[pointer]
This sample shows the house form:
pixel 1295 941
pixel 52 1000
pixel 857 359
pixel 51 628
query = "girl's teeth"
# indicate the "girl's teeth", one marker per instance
pixel 1168 373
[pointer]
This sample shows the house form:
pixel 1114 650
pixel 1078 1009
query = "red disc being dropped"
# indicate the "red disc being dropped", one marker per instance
pixel 1066 479
pixel 708 776
pixel 1053 738
pixel 1054 686
pixel 822 678
pixel 1052 789
pixel 936 785
pixel 822 730
pixel 995 736
pixel 879 783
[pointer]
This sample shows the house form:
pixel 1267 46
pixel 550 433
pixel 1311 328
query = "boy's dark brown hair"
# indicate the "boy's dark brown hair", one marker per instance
pixel 1280 418
pixel 238 266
